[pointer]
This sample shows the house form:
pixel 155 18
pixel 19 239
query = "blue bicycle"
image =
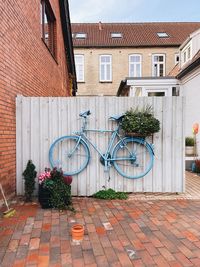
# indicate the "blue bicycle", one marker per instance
pixel 132 157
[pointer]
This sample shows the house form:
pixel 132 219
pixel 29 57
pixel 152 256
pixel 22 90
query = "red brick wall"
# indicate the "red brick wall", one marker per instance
pixel 26 68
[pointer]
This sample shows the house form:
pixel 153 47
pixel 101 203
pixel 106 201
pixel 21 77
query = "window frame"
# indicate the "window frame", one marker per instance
pixel 159 63
pixel 76 66
pixel 135 63
pixel 46 10
pixel 106 64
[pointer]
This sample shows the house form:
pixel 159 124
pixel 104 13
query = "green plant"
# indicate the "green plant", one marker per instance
pixel 140 121
pixel 60 192
pixel 29 177
pixel 189 141
pixel 110 194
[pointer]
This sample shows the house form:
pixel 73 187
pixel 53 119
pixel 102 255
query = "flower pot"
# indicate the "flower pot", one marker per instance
pixel 189 150
pixel 77 232
pixel 44 197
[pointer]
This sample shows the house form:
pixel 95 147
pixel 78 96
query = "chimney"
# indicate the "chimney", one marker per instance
pixel 100 26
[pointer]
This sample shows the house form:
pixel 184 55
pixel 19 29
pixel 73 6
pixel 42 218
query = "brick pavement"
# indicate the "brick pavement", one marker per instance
pixel 117 233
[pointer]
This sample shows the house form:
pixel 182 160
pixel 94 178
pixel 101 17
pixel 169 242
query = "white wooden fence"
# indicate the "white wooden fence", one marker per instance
pixel 40 121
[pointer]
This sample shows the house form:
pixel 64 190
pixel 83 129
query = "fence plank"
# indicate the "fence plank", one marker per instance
pixel 40 121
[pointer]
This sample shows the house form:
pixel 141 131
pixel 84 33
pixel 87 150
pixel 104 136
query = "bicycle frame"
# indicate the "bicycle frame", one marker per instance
pixel 82 135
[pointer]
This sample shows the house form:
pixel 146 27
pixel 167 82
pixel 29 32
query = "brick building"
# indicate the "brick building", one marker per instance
pixel 106 53
pixel 36 59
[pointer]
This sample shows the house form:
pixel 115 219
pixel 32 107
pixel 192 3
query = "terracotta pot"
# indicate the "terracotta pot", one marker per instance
pixel 77 232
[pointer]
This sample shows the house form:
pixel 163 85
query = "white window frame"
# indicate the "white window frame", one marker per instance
pixel 185 56
pixel 135 64
pixel 78 65
pixel 106 64
pixel 166 91
pixel 159 63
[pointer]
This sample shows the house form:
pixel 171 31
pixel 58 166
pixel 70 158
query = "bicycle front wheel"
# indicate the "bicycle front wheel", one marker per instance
pixel 133 158
pixel 70 154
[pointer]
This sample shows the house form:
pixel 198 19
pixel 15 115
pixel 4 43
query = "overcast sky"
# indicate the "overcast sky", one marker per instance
pixel 134 10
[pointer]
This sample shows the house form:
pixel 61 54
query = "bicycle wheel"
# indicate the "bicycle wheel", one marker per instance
pixel 133 157
pixel 68 154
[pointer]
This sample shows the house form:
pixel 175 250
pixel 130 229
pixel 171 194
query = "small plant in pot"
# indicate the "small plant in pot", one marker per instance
pixel 189 146
pixel 140 122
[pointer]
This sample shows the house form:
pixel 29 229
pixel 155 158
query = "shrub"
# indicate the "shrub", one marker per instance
pixel 189 141
pixel 110 194
pixel 29 177
pixel 141 122
pixel 59 189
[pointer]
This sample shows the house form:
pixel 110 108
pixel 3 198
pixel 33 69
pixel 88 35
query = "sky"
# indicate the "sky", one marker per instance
pixel 134 10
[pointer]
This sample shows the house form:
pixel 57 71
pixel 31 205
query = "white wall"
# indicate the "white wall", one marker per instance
pixel 190 88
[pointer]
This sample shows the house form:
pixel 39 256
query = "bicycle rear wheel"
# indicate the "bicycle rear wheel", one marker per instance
pixel 68 154
pixel 133 158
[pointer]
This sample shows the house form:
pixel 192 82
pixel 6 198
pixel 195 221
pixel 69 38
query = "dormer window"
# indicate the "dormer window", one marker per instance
pixel 186 54
pixel 162 35
pixel 116 35
pixel 81 35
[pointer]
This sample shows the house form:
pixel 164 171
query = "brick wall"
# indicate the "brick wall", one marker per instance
pixel 26 68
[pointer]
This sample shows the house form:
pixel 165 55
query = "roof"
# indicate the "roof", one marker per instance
pixel 133 34
pixel 191 65
pixel 174 71
pixel 67 37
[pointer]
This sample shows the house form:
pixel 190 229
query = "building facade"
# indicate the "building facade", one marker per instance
pixel 106 53
pixel 35 43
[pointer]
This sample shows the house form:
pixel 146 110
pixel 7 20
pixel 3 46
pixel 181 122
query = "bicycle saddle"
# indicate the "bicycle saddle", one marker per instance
pixel 117 118
pixel 85 114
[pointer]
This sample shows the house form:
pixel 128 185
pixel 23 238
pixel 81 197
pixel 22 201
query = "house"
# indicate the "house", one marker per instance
pixel 36 59
pixel 105 53
pixel 182 80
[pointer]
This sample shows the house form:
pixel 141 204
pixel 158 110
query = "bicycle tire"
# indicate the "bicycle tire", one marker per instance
pixel 135 156
pixel 59 155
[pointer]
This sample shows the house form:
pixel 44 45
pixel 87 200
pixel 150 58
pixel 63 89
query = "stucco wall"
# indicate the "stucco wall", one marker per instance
pixel 120 67
pixel 191 90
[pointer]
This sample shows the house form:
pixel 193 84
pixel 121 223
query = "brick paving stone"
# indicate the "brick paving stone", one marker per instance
pixel 160 232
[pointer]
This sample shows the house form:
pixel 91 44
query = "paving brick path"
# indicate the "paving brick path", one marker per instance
pixel 117 233
pixel 136 232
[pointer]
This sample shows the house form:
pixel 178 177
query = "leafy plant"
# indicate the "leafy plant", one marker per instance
pixel 29 177
pixel 60 191
pixel 110 194
pixel 141 121
pixel 189 141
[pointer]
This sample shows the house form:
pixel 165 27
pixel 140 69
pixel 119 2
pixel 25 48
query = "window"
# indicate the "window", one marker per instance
pixel 176 58
pixel 162 34
pixel 79 63
pixel 158 68
pixel 48 26
pixel 186 54
pixel 105 68
pixel 81 35
pixel 135 65
pixel 116 35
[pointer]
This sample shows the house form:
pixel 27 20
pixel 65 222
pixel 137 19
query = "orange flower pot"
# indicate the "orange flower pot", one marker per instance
pixel 77 232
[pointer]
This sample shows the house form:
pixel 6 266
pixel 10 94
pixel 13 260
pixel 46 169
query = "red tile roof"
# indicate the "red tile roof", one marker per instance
pixel 134 34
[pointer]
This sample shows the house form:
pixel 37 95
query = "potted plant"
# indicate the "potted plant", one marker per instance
pixel 189 146
pixel 54 189
pixel 138 122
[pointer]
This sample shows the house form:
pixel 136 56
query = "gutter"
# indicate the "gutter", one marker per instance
pixel 67 36
pixel 188 69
